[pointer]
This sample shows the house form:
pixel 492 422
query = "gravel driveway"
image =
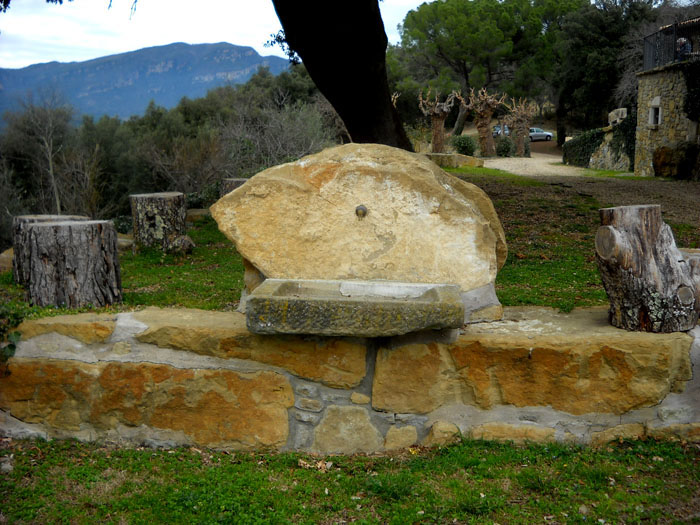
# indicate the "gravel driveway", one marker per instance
pixel 679 200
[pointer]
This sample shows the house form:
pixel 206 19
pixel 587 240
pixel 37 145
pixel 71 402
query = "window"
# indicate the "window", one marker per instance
pixel 655 112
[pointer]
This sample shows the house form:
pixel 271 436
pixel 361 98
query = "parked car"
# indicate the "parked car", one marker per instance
pixel 497 130
pixel 539 134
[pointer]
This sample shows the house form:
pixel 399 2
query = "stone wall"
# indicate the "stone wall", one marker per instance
pixel 668 84
pixel 191 377
pixel 605 157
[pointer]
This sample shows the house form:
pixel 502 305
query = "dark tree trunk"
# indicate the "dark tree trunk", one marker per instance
pixel 461 120
pixel 343 46
pixel 20 242
pixel 73 264
pixel 647 279
pixel 160 221
pixel 438 132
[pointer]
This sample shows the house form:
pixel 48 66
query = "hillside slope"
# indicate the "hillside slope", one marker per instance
pixel 122 85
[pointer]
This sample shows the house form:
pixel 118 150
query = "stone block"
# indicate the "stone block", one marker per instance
pixel 359 399
pixel 400 437
pixel 87 328
pixel 351 308
pixel 346 430
pixel 442 433
pixel 214 408
pixel 312 405
pixel 575 363
pixel 630 431
pixel 515 433
pixel 682 432
pixel 334 362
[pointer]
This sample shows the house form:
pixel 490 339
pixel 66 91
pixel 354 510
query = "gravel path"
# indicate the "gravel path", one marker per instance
pixel 540 164
pixel 679 200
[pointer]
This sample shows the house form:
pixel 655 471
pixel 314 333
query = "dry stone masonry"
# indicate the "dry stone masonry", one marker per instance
pixel 661 121
pixel 189 377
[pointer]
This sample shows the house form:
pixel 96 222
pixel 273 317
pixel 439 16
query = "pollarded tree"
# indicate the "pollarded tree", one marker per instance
pixel 437 111
pixel 484 104
pixel 520 115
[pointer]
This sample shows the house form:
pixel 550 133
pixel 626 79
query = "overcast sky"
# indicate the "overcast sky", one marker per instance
pixel 32 31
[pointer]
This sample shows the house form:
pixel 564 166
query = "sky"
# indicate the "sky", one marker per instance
pixel 32 31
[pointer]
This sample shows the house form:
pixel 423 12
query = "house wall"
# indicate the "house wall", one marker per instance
pixel 665 88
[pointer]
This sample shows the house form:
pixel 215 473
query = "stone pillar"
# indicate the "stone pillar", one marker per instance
pixel 159 220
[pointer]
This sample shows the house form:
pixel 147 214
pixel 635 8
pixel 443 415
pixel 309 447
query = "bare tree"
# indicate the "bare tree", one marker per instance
pixel 81 187
pixel 40 129
pixel 437 111
pixel 518 120
pixel 484 104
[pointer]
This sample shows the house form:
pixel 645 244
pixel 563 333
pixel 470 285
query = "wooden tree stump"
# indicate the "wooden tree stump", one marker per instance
pixel 73 264
pixel 20 259
pixel 159 220
pixel 647 279
pixel 228 185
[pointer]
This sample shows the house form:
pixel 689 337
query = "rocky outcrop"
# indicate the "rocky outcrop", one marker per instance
pixel 365 211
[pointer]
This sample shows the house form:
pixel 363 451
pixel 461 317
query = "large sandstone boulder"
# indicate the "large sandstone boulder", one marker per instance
pixel 365 211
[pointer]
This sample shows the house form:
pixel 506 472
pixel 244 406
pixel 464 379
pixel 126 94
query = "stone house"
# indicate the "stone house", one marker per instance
pixel 662 90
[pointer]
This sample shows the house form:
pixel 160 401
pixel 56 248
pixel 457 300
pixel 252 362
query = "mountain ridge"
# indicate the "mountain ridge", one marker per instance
pixel 123 84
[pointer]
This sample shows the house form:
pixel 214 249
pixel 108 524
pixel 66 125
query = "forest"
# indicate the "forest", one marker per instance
pixel 575 59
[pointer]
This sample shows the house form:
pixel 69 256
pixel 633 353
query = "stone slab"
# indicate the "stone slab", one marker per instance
pixel 333 362
pixel 576 363
pixel 352 308
pixel 215 408
pixel 365 212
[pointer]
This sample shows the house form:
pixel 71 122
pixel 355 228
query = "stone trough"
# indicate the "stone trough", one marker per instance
pixel 352 308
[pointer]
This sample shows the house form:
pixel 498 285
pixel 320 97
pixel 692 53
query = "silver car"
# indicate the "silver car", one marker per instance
pixel 539 134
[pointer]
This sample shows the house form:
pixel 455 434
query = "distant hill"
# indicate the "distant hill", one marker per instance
pixel 122 85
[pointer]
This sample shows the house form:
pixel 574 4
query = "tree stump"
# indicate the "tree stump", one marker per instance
pixel 20 259
pixel 159 220
pixel 73 264
pixel 228 185
pixel 647 279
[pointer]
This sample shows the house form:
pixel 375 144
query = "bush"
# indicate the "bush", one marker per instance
pixel 464 144
pixel 505 147
pixel 578 151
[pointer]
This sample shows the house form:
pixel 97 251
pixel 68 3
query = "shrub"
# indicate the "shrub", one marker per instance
pixel 578 150
pixel 505 147
pixel 464 144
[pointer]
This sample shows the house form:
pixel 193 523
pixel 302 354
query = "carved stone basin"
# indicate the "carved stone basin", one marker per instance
pixel 352 308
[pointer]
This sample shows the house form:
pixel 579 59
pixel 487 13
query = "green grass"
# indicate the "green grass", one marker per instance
pixel 210 278
pixel 471 482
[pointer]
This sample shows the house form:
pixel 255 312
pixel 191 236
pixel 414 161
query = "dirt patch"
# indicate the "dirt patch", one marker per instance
pixel 679 200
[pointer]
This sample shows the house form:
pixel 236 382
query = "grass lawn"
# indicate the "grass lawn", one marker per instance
pixel 471 482
pixel 550 232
